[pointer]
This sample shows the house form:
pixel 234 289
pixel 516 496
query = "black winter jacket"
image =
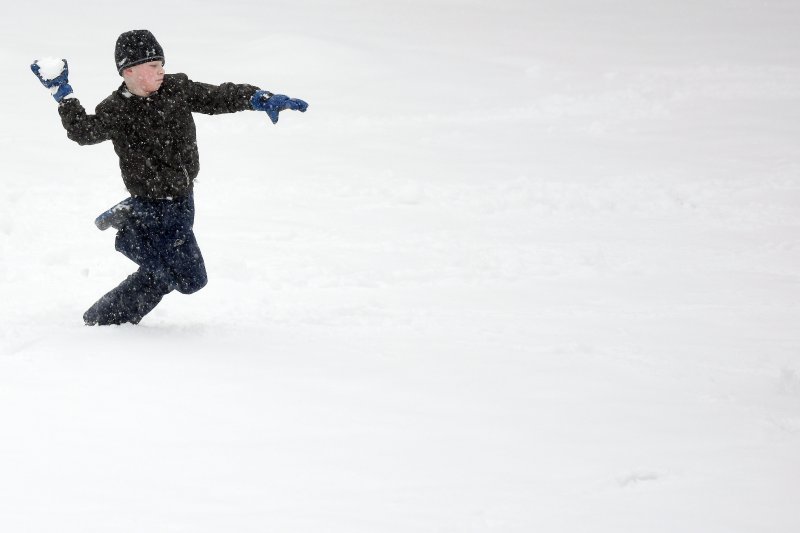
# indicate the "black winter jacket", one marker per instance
pixel 155 136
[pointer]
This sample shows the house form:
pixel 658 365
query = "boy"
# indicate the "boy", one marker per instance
pixel 149 121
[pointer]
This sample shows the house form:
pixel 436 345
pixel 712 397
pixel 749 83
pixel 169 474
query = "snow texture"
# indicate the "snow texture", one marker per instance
pixel 522 266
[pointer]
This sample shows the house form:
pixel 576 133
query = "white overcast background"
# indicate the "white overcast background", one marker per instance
pixel 522 266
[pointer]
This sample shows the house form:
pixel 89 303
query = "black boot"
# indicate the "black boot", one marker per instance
pixel 130 301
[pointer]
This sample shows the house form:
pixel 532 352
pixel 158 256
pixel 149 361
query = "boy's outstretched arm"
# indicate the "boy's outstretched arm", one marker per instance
pixel 231 97
pixel 217 99
pixel 81 128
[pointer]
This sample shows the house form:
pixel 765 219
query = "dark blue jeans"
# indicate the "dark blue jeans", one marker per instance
pixel 156 235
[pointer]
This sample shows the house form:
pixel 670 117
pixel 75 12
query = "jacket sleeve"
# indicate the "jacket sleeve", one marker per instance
pixel 216 99
pixel 83 128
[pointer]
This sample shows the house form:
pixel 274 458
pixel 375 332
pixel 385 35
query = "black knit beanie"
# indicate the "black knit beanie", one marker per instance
pixel 136 47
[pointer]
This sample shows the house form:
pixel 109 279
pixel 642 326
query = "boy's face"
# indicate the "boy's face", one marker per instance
pixel 144 79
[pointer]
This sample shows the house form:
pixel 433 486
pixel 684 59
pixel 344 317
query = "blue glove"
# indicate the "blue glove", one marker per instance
pixel 59 85
pixel 275 103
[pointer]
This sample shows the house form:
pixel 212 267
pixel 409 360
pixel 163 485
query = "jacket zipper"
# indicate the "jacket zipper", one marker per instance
pixel 185 172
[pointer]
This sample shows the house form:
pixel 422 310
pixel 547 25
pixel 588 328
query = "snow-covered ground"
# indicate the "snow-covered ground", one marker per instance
pixel 522 266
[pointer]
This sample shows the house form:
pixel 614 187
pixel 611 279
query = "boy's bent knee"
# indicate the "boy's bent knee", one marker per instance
pixel 190 286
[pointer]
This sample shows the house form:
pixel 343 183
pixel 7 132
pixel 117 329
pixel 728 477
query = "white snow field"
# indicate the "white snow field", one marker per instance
pixel 523 266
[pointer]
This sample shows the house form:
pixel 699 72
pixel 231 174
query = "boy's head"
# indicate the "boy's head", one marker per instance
pixel 136 47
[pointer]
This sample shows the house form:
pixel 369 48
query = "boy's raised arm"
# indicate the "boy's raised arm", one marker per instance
pixel 53 74
pixel 81 128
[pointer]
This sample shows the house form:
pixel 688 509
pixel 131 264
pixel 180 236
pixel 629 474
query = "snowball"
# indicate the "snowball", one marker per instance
pixel 50 68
